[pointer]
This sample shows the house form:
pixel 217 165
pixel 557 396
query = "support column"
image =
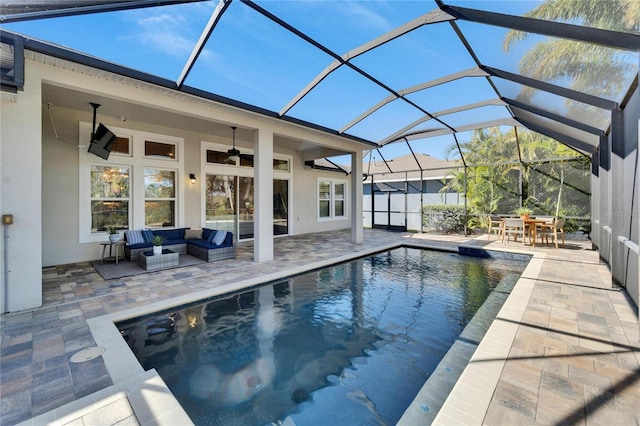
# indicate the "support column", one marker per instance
pixel 357 232
pixel 263 195
pixel 21 195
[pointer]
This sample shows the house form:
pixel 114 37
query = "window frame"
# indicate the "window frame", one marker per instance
pixel 136 162
pixel 174 198
pixel 332 199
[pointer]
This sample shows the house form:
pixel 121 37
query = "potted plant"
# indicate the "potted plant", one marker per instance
pixel 113 234
pixel 523 212
pixel 157 244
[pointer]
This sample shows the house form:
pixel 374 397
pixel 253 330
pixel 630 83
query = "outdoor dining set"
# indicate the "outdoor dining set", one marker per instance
pixel 544 227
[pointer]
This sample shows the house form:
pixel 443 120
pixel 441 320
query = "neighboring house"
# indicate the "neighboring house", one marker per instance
pixel 169 167
pixel 400 190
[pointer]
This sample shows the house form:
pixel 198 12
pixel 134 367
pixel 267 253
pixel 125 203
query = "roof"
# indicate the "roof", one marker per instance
pixel 379 72
pixel 407 167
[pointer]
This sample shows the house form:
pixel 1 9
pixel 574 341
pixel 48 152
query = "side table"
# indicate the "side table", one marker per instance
pixel 117 245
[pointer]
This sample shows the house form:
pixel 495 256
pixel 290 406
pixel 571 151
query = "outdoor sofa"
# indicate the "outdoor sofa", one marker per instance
pixel 200 243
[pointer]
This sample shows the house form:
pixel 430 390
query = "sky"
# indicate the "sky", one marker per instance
pixel 252 59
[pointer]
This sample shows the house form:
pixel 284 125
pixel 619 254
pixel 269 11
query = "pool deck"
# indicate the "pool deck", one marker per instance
pixel 564 349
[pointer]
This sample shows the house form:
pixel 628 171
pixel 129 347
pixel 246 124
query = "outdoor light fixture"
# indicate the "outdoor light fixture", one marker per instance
pixel 192 178
pixel 234 154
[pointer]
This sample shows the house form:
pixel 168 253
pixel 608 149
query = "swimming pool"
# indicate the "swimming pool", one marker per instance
pixel 347 344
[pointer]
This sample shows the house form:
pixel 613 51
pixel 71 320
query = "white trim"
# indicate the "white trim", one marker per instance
pixel 136 162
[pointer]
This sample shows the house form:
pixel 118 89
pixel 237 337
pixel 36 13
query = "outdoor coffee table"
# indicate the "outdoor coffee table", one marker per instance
pixel 149 262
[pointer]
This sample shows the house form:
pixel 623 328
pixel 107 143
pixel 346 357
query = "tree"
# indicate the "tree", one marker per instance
pixel 590 68
pixel 554 187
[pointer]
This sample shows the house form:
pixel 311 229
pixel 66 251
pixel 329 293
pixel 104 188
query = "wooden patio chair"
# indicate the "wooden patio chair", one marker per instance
pixel 552 230
pixel 495 225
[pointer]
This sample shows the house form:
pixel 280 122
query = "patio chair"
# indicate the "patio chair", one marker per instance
pixel 552 230
pixel 495 224
pixel 513 227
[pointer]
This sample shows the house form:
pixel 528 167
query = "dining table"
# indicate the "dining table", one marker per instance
pixel 531 226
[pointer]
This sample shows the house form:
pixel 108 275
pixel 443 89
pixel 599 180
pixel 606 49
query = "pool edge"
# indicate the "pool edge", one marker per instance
pixel 468 401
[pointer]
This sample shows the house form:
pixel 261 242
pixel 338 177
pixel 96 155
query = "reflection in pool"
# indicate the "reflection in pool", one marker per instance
pixel 348 344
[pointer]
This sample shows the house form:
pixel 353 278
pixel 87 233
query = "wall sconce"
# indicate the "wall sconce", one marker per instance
pixel 192 178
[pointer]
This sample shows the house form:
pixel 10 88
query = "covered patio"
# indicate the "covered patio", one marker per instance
pixel 565 347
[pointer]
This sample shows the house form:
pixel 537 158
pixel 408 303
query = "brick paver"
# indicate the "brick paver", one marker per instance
pixel 575 357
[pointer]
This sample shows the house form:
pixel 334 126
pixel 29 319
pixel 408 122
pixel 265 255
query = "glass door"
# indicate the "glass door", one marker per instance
pixel 227 196
pixel 220 202
pixel 245 207
pixel 280 207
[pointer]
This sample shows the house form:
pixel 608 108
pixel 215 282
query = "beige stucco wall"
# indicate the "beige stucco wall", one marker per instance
pixel 60 200
pixel 20 177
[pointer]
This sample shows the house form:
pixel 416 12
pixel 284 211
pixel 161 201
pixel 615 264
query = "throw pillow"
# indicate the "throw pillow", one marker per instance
pixel 134 237
pixel 220 237
pixel 193 234
pixel 147 235
pixel 212 235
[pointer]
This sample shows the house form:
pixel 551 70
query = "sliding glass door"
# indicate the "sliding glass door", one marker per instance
pixel 280 207
pixel 220 202
pixel 227 196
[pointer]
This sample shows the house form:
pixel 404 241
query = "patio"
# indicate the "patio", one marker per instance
pixel 565 349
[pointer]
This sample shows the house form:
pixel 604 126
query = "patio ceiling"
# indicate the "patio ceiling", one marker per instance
pixel 411 73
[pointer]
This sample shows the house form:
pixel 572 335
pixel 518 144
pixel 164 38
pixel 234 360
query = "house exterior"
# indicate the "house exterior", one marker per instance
pixel 395 190
pixel 169 167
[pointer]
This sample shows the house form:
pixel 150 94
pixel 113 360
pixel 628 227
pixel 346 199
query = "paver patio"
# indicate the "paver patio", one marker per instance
pixel 574 357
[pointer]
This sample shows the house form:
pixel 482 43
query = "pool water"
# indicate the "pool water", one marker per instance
pixel 349 344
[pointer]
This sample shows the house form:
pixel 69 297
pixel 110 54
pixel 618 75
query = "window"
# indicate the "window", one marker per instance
pixel 246 160
pixel 218 157
pixel 159 150
pixel 160 198
pixel 121 146
pixel 140 186
pixel 109 198
pixel 280 165
pixel 331 199
pixel 338 199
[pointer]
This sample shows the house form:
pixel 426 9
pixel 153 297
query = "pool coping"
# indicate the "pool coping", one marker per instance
pixel 153 403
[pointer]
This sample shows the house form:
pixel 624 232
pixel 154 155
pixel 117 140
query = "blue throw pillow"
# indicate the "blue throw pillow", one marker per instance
pixel 220 237
pixel 147 235
pixel 134 237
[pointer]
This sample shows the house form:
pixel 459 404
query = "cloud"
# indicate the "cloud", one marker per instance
pixel 170 30
pixel 364 15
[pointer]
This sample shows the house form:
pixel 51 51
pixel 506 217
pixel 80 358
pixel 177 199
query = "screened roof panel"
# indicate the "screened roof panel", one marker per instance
pixel 343 94
pixel 453 94
pixel 606 15
pixel 342 26
pixel 587 140
pixel 589 68
pixel 584 113
pixel 155 40
pixel 424 54
pixel 485 113
pixel 269 74
pixel 386 120
pixel 267 53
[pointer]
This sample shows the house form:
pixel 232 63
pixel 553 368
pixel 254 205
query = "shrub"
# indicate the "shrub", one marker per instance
pixel 444 218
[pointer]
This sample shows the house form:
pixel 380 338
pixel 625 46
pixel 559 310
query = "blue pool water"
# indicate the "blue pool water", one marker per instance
pixel 348 344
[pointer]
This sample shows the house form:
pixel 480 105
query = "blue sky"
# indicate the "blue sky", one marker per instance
pixel 251 59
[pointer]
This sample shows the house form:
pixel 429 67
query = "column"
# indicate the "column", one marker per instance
pixel 356 197
pixel 263 195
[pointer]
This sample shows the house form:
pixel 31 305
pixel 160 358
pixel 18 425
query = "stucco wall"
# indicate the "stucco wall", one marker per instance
pixel 20 175
pixel 60 184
